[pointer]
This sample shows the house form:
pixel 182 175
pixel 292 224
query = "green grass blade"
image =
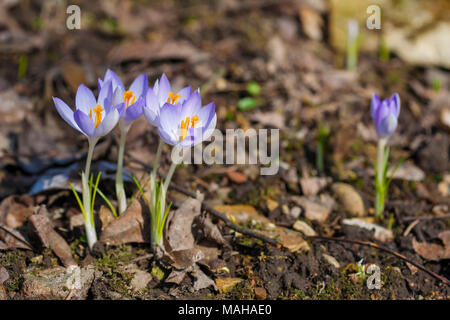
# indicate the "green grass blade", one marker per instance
pixel 108 203
pixel 78 200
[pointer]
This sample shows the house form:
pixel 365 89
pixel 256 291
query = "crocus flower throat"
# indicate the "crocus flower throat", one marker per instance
pixel 184 126
pixel 172 99
pixel 98 115
pixel 127 97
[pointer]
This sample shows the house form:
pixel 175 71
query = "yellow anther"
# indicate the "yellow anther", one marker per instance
pixel 194 121
pixel 127 97
pixel 186 124
pixel 98 115
pixel 173 98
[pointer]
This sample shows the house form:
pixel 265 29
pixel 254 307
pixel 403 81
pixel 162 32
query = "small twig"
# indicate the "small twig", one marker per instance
pixel 407 219
pixel 16 235
pixel 377 246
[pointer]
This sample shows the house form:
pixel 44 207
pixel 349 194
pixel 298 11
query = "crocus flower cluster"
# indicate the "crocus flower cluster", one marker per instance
pixel 180 118
pixel 385 118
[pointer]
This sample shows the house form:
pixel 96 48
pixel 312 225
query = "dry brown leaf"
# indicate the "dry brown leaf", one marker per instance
pixel 50 238
pixel 131 226
pixel 236 176
pixel 429 251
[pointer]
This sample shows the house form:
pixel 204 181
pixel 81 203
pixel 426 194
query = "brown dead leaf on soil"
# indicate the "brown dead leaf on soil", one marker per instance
pixel 433 251
pixel 50 238
pixel 131 227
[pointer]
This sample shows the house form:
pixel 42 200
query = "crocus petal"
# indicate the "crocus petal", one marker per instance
pixel 108 123
pixel 170 117
pixel 387 126
pixel 134 111
pixel 116 82
pixel 105 96
pixel 139 85
pixel 117 97
pixel 395 101
pixel 85 99
pixel 151 116
pixel 206 114
pixel 192 105
pixel 381 113
pixel 65 112
pixel 208 131
pixel 374 105
pixel 151 101
pixel 167 138
pixel 120 108
pixel 84 123
pixel 185 94
pixel 99 83
pixel 163 89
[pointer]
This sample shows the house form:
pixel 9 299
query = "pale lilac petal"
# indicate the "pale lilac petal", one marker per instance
pixel 206 114
pixel 114 78
pixel 192 105
pixel 139 85
pixel 85 123
pixel 168 138
pixel 151 116
pixel 134 111
pixel 105 96
pixel 65 112
pixel 395 101
pixel 375 103
pixel 117 97
pixel 99 83
pixel 120 108
pixel 108 123
pixel 185 94
pixel 387 126
pixel 163 90
pixel 85 99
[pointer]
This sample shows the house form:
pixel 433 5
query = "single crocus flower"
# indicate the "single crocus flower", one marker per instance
pixel 385 114
pixel 94 118
pixel 131 102
pixel 159 95
pixel 385 118
pixel 187 124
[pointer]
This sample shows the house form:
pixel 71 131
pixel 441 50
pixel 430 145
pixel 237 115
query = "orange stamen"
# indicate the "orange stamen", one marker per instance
pixel 98 115
pixel 173 98
pixel 127 97
pixel 186 124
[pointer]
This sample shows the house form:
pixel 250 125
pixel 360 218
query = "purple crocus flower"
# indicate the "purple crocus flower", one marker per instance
pixel 159 95
pixel 92 117
pixel 187 124
pixel 385 114
pixel 131 101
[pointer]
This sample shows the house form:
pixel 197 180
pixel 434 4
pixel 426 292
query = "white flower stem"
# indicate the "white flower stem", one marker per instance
pixel 380 188
pixel 89 224
pixel 173 166
pixel 157 157
pixel 120 191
